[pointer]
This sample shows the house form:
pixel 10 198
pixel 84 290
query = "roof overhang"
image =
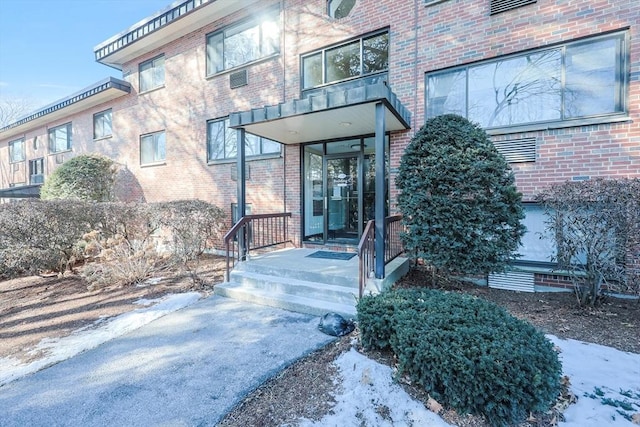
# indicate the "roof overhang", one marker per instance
pixel 96 94
pixel 22 192
pixel 179 19
pixel 332 115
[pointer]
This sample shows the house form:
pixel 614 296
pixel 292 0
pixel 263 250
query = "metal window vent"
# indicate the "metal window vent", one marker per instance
pixel 15 167
pixel 499 6
pixel 517 150
pixel 512 281
pixel 238 79
pixel 59 158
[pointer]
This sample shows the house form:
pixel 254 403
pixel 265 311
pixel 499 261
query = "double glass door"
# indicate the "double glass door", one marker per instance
pixel 339 195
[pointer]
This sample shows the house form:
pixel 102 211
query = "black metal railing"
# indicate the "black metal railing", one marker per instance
pixel 367 248
pixel 254 232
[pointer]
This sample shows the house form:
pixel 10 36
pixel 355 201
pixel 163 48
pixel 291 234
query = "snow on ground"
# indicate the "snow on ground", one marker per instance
pixel 368 396
pixel 606 381
pixel 601 377
pixel 57 350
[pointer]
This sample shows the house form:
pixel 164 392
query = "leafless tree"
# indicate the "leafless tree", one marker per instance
pixel 13 109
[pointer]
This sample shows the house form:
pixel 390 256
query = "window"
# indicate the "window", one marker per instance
pixel 36 171
pixel 152 148
pixel 536 245
pixel 152 74
pixel 60 138
pixel 102 124
pixel 573 81
pixel 16 151
pixel 360 57
pixel 243 43
pixel 222 142
pixel 340 8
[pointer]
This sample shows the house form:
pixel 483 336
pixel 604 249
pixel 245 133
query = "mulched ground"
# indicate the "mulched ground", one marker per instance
pixel 305 389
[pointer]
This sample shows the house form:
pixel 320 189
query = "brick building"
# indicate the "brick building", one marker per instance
pixel 321 89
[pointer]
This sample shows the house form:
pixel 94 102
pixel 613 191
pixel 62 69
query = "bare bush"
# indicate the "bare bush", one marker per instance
pixel 43 235
pixel 122 248
pixel 119 262
pixel 596 227
pixel 194 226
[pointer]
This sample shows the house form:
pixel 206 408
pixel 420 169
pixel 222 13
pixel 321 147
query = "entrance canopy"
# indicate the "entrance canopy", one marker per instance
pixel 369 109
pixel 337 114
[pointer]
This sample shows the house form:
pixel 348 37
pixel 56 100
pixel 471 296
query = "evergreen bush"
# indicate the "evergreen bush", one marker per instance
pixel 84 177
pixel 468 353
pixel 461 210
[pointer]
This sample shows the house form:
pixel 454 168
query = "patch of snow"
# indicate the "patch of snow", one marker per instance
pixel 86 338
pixel 600 376
pixel 368 396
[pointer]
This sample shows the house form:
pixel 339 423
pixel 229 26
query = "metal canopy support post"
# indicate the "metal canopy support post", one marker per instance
pixel 380 190
pixel 242 189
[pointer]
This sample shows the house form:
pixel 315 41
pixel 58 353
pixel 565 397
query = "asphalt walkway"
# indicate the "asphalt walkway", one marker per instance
pixel 188 368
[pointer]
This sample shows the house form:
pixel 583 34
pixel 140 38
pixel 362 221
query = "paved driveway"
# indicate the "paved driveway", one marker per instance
pixel 188 368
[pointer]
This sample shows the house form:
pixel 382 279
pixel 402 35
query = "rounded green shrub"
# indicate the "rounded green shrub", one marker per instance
pixel 461 209
pixel 86 177
pixel 468 353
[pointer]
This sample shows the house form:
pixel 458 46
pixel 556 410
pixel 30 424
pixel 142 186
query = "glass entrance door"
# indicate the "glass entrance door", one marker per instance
pixel 344 200
pixel 339 189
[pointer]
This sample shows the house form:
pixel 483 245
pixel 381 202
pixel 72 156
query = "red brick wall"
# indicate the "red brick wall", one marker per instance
pixel 422 39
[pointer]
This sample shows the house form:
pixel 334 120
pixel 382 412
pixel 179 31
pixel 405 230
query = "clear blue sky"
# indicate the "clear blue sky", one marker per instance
pixel 46 46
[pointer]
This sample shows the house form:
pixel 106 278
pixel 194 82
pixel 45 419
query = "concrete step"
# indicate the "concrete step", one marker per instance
pixel 290 302
pixel 287 285
pixel 335 277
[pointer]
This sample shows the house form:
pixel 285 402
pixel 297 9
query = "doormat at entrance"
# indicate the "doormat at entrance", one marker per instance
pixel 332 255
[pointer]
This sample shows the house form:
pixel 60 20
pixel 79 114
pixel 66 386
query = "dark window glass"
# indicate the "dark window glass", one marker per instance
pixel 36 171
pixel 591 78
pixel 375 53
pixel 16 151
pixel 152 74
pixel 243 43
pixel 102 124
pixel 152 148
pixel 576 80
pixel 312 70
pixel 361 57
pixel 343 62
pixel 222 142
pixel 340 8
pixel 60 138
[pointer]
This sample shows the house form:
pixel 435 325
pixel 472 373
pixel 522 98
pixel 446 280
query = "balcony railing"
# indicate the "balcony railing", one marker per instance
pixel 253 232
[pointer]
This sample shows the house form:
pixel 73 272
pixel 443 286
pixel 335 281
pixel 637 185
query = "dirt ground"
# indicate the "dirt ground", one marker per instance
pixel 37 307
pixel 304 389
pixel 34 308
